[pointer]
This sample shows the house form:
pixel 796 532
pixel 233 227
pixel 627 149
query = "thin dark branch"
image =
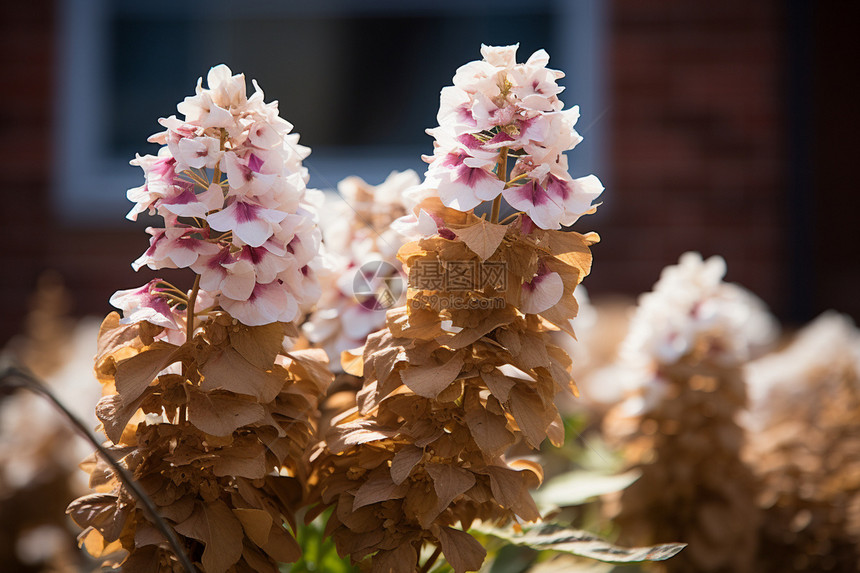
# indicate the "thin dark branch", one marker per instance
pixel 17 378
pixel 431 560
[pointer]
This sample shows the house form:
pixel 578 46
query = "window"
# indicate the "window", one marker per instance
pixel 359 80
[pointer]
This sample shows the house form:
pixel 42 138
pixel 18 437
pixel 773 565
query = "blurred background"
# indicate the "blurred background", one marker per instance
pixel 723 127
pixel 720 127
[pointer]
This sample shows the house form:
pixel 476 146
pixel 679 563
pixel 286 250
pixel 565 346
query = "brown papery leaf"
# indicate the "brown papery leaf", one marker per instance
pixel 510 491
pixel 95 510
pixel 113 336
pixel 402 559
pixel 214 525
pixel 449 482
pixel 530 413
pixel 227 370
pixel 489 431
pixel 146 534
pixel 313 366
pixel 379 488
pixel 428 382
pixel 510 340
pixel 462 551
pixel 560 314
pixel 142 560
pixel 532 352
pixel 257 524
pixel 403 462
pixel 483 237
pixel 530 470
pixel 572 248
pixel 352 362
pixel 499 384
pixel 246 457
pixel 420 323
pixel 282 546
pixel 343 436
pixel 115 414
pixel 96 545
pixel 134 374
pixel 555 432
pixel 257 561
pixel 221 414
pixel 434 206
pixel 258 344
pixel 474 331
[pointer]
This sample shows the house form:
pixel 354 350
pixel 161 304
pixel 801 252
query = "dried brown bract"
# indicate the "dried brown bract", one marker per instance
pixel 694 486
pixel 448 389
pixel 684 353
pixel 214 430
pixel 805 449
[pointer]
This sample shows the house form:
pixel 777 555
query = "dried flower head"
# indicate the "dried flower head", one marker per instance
pixel 691 305
pixel 460 375
pixel 365 279
pixel 680 366
pixel 205 402
pixel 804 443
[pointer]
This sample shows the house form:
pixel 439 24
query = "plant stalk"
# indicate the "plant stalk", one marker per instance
pixel 23 379
pixel 431 560
pixel 502 174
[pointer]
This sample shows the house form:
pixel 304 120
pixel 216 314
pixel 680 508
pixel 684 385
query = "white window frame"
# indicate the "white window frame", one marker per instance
pixel 89 184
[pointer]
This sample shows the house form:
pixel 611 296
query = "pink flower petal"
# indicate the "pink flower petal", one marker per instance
pixel 268 303
pixel 250 223
pixel 542 293
pixel 144 303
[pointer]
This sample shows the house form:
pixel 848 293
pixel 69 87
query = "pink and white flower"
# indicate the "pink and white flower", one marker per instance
pixel 267 303
pixel 542 292
pixel 231 188
pixel 363 229
pixel 501 115
pixel 147 303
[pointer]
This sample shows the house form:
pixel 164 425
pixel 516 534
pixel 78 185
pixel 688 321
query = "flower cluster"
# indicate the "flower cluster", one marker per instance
pixel 214 430
pixel 680 368
pixel 229 184
pixel 690 310
pixel 448 390
pixel 501 117
pixel 362 248
pixel 805 448
pixel 691 301
pixel 204 402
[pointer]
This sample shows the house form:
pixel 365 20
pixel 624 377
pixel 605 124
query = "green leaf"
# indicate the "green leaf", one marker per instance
pixel 319 554
pixel 513 559
pixel 578 487
pixel 556 537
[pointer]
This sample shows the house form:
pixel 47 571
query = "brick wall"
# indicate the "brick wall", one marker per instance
pixel 26 37
pixel 696 153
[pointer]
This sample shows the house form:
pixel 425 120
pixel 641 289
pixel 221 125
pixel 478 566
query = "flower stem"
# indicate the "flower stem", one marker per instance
pixel 502 174
pixel 195 178
pixel 216 176
pixel 26 380
pixel 189 310
pixel 431 560
pixel 519 177
pixel 510 217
